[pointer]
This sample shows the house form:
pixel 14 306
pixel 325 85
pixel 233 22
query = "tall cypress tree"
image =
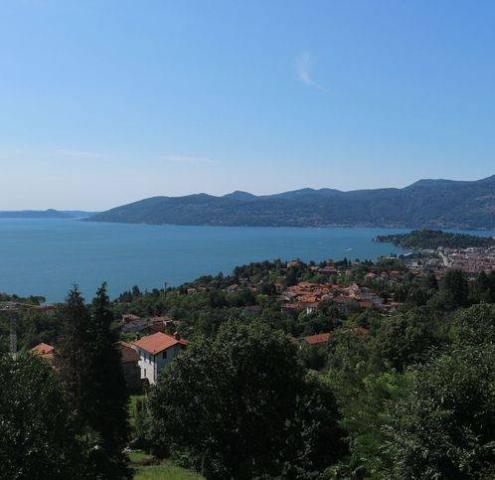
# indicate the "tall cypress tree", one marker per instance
pixel 72 356
pixel 106 395
pixel 91 369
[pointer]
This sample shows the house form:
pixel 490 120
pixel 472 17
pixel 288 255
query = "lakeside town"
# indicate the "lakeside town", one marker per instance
pixel 149 342
pixel 472 260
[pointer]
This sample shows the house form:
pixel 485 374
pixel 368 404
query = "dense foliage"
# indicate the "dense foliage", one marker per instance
pixel 240 407
pixel 37 436
pixel 91 371
pixel 433 239
pixel 445 427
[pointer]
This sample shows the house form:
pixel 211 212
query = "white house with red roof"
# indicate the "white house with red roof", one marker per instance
pixel 155 352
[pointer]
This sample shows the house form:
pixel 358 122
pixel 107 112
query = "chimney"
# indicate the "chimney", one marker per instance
pixel 177 335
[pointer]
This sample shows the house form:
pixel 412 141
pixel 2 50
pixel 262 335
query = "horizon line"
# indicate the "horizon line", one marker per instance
pixel 260 195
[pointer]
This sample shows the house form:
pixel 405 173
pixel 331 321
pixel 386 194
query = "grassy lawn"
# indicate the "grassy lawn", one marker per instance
pixel 164 472
pixel 159 472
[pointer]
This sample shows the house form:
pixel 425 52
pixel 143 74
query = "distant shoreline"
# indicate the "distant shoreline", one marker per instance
pixel 46 214
pixel 87 219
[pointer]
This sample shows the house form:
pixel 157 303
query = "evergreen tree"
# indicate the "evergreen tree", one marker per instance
pixel 480 290
pixel 431 281
pixel 72 354
pixel 455 289
pixel 484 290
pixel 92 371
pixel 105 395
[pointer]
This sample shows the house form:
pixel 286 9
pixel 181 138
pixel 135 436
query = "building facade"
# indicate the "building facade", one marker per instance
pixel 155 352
pixel 130 367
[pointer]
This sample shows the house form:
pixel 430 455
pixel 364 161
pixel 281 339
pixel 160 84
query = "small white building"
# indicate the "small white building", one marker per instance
pixel 155 352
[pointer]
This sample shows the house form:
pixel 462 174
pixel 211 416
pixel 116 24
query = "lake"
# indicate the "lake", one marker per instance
pixel 46 257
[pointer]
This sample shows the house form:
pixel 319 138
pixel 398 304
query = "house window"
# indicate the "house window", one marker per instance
pixel 164 355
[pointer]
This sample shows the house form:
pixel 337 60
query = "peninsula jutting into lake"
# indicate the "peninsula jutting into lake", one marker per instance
pixel 433 239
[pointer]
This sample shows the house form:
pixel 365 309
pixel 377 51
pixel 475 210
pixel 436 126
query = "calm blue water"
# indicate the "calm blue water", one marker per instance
pixel 45 257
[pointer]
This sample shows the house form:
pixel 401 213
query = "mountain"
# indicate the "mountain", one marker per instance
pixel 50 213
pixel 424 204
pixel 238 195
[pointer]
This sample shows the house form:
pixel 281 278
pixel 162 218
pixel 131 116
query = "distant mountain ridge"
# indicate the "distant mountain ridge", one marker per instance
pixel 50 213
pixel 424 204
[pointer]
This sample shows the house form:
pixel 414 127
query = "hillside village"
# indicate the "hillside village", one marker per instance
pixel 299 291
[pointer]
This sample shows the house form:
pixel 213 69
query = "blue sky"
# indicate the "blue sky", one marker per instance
pixel 104 102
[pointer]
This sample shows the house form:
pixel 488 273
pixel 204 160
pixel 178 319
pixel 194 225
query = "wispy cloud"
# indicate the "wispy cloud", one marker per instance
pixel 82 154
pixel 43 153
pixel 188 159
pixel 304 63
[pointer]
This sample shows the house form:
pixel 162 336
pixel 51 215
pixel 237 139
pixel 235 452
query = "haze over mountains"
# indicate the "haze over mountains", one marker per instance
pixel 426 203
pixel 50 213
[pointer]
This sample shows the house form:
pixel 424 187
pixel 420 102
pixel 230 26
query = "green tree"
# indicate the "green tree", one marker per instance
pixel 483 289
pixel 366 396
pixel 37 436
pixel 105 408
pixel 325 319
pixel 404 339
pixel 313 357
pixel 454 289
pixel 236 407
pixel 91 369
pixel 430 281
pixel 72 352
pixel 474 326
pixel 445 429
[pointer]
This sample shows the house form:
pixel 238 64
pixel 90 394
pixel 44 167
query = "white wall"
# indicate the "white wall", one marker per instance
pixel 152 365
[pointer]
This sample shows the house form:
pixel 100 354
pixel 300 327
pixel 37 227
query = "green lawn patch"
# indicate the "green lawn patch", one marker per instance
pixel 137 457
pixel 165 471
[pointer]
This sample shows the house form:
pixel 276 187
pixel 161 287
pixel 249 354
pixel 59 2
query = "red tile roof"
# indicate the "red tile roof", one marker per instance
pixel 43 349
pixel 317 339
pixel 158 342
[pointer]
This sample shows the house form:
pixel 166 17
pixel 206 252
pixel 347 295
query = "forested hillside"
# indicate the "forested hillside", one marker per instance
pixel 432 239
pixel 427 203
